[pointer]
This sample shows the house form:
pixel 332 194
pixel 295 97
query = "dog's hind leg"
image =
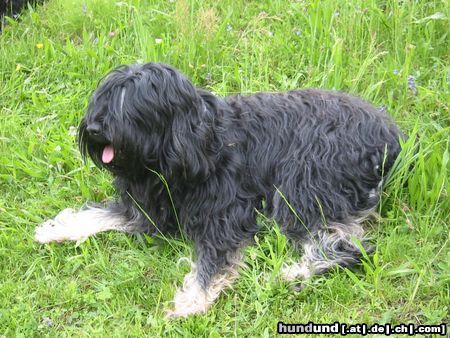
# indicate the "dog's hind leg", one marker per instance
pixel 78 225
pixel 334 245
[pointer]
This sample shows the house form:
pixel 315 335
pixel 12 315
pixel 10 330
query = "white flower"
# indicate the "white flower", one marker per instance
pixel 72 131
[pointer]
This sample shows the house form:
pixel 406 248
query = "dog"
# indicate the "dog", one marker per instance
pixel 185 160
pixel 14 7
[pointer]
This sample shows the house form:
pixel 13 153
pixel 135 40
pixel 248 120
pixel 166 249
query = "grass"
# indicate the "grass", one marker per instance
pixel 392 53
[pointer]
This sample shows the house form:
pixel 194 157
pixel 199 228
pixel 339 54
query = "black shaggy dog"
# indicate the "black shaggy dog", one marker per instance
pixel 14 7
pixel 313 160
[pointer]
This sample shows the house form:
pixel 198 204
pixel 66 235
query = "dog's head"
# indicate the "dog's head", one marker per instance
pixel 145 117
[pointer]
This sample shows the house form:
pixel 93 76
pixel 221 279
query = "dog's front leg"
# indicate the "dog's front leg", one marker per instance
pixel 207 279
pixel 72 225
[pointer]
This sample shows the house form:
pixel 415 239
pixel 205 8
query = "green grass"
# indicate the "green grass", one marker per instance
pixel 115 285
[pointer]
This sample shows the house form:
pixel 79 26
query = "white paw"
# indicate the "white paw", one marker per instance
pixel 295 271
pixel 190 299
pixel 62 227
pixel 193 299
pixel 78 225
pixel 188 304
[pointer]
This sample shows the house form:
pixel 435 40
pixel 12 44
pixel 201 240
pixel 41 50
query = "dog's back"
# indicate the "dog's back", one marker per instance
pixel 326 152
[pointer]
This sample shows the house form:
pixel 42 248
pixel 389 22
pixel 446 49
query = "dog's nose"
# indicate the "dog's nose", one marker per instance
pixel 93 129
pixel 95 133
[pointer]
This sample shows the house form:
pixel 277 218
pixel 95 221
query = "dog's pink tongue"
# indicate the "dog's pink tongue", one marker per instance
pixel 108 154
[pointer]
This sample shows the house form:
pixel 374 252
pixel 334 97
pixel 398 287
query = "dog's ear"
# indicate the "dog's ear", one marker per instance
pixel 189 143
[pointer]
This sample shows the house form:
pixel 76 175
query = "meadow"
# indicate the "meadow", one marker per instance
pixel 394 54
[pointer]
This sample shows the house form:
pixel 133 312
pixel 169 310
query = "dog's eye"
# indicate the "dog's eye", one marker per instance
pixel 100 118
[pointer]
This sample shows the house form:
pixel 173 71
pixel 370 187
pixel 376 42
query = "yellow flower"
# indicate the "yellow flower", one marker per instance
pixel 39 45
pixel 18 66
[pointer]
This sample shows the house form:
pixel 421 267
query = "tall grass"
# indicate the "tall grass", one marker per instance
pixel 392 53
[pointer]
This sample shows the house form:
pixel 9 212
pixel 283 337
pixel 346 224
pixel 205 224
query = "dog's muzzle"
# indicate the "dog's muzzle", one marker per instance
pixel 95 133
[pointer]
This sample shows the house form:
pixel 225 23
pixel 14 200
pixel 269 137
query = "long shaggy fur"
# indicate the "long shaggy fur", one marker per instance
pixel 313 160
pixel 14 7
